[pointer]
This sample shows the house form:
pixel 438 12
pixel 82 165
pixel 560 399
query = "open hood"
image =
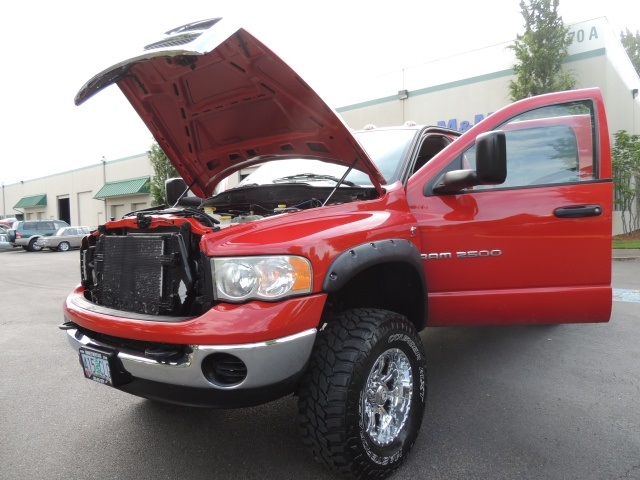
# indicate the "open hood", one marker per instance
pixel 217 100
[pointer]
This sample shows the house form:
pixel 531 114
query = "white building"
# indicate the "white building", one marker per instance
pixel 459 91
pixel 456 92
pixel 85 196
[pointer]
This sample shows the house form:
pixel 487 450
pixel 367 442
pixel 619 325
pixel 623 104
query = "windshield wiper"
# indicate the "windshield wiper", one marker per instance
pixel 312 177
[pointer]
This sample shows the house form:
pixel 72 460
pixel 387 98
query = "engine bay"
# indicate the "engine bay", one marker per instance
pixel 253 202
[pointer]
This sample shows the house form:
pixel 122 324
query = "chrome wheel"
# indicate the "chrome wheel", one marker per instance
pixel 386 402
pixel 63 247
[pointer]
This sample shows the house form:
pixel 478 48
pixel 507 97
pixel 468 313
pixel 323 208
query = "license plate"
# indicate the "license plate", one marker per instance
pixel 97 365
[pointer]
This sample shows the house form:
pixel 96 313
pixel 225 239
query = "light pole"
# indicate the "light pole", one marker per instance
pixel 4 208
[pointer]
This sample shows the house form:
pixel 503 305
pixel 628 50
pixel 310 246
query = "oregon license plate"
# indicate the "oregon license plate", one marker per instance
pixel 97 365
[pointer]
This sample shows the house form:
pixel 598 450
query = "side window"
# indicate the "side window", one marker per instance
pixel 46 226
pixel 431 145
pixel 70 231
pixel 549 145
pixel 29 226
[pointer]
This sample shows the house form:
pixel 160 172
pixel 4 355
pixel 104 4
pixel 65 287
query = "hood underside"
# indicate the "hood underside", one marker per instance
pixel 217 100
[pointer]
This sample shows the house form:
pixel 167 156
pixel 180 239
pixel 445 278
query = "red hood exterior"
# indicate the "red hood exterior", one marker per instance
pixel 217 100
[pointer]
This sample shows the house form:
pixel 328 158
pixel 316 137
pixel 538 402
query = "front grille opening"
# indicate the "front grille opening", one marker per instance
pixel 149 273
pixel 224 369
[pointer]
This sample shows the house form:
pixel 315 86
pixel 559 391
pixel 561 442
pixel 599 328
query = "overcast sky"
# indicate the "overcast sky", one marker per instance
pixel 52 48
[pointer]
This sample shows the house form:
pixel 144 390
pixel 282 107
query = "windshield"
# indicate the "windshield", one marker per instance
pixel 387 149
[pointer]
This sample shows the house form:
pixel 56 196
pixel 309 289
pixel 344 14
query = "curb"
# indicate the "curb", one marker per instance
pixel 623 255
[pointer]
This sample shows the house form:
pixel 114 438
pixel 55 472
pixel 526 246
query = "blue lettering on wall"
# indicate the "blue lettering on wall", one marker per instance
pixel 453 124
pixel 464 124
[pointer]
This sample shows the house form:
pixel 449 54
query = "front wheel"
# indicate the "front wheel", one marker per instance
pixel 363 397
pixel 63 247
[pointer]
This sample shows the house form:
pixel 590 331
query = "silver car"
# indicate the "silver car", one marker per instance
pixel 64 239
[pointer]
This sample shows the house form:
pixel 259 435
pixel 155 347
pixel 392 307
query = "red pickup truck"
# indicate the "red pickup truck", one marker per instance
pixel 314 276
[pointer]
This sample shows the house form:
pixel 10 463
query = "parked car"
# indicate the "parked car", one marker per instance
pixel 25 233
pixel 4 241
pixel 64 239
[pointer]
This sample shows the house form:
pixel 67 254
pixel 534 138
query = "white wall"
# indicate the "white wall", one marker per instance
pixel 79 186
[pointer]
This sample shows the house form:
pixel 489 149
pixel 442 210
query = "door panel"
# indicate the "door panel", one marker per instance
pixel 536 249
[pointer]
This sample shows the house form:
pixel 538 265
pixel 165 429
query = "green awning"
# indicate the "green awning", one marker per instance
pixel 32 201
pixel 133 186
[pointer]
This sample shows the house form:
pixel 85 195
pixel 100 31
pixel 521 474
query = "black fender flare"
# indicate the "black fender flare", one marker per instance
pixel 357 259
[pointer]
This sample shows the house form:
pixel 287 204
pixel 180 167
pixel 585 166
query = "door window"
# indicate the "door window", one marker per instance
pixel 549 145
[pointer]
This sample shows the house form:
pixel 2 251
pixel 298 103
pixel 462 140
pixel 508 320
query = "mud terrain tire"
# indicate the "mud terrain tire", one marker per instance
pixel 363 396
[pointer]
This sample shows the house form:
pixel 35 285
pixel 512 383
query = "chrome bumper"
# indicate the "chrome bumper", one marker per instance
pixel 267 363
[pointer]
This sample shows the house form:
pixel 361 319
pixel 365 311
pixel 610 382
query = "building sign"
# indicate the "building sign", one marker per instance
pixel 586 36
pixel 462 125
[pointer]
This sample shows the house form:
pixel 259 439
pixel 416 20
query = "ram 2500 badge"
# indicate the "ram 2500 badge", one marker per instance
pixel 316 274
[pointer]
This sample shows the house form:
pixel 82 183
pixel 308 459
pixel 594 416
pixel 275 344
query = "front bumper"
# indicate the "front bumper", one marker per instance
pixel 272 370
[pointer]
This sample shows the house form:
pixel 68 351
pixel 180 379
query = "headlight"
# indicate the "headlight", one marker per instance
pixel 263 278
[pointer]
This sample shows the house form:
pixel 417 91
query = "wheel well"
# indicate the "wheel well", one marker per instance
pixel 394 286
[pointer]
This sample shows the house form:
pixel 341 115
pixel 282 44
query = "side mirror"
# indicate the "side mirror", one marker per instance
pixel 175 191
pixel 491 166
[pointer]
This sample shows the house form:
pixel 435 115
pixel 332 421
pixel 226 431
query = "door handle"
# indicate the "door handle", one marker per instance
pixel 577 211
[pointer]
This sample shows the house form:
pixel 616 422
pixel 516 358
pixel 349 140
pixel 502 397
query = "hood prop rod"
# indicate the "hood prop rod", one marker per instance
pixel 340 181
pixel 183 194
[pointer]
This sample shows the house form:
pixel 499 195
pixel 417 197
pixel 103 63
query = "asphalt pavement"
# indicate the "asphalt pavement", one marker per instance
pixel 522 402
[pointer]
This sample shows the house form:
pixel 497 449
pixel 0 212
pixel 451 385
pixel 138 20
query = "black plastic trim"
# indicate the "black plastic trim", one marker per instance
pixel 353 261
pixel 578 211
pixel 210 397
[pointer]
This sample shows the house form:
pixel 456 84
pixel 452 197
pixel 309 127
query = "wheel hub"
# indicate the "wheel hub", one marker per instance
pixel 387 400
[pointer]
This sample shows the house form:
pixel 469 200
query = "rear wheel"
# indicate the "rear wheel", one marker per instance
pixel 63 247
pixel 363 397
pixel 33 246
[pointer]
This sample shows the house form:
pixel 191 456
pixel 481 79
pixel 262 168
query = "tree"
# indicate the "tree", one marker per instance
pixel 626 177
pixel 540 51
pixel 163 170
pixel 631 44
